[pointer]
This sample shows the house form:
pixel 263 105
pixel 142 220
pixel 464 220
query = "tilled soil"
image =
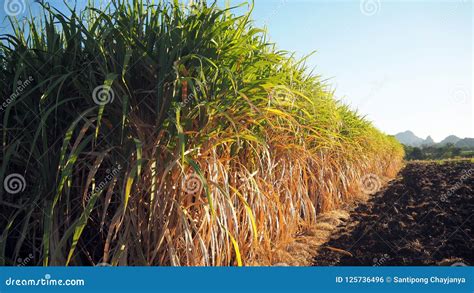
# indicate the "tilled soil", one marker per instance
pixel 424 217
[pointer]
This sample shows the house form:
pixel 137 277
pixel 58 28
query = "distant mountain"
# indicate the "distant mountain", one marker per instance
pixel 465 143
pixel 428 141
pixel 410 139
pixel 450 139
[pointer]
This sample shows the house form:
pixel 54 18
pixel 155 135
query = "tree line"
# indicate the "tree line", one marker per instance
pixel 448 151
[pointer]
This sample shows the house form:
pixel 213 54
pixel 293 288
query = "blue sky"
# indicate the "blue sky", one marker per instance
pixel 402 64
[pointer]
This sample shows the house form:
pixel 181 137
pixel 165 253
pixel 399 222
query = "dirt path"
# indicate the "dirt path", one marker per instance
pixel 424 217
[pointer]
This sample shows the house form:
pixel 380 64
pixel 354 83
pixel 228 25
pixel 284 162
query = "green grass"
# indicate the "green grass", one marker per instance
pixel 220 145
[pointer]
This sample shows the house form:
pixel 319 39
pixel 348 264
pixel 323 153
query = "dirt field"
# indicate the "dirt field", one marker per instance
pixel 424 217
